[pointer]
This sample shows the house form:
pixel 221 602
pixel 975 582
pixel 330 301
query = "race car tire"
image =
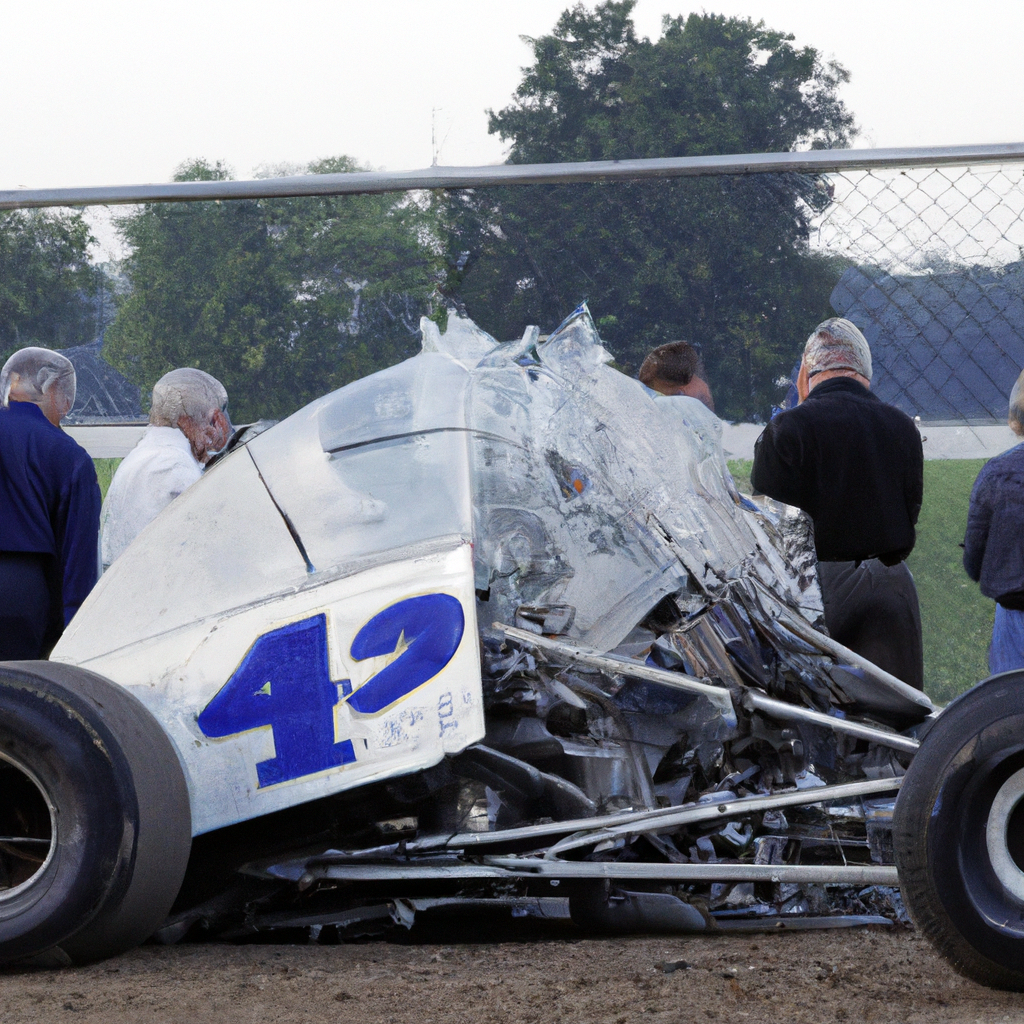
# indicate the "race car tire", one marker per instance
pixel 959 833
pixel 96 789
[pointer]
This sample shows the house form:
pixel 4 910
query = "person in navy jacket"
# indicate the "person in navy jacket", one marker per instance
pixel 49 506
pixel 994 542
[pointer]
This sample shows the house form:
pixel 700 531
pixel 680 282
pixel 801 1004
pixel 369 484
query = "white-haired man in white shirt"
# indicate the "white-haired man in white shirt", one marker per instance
pixel 188 422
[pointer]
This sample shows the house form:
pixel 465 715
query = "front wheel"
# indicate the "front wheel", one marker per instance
pixel 959 833
pixel 95 829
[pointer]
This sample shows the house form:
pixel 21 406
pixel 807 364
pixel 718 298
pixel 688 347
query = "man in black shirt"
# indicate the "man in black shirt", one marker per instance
pixel 855 466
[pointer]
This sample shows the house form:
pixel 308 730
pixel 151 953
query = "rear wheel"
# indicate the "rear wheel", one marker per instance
pixel 959 833
pixel 95 829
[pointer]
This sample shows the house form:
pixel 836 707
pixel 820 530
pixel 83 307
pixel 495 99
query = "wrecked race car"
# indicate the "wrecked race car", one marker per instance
pixel 492 626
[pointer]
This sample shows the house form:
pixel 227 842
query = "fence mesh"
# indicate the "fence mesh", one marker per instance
pixel 927 261
pixel 302 295
pixel 936 282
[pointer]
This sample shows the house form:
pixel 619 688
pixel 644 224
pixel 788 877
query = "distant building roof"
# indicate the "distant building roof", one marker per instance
pixel 945 345
pixel 103 394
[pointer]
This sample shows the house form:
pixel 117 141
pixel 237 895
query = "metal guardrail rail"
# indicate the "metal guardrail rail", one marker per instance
pixel 819 161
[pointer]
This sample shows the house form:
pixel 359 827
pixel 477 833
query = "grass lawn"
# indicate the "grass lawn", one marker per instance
pixel 105 472
pixel 956 620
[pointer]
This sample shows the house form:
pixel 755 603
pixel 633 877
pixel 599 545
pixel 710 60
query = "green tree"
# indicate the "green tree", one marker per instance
pixel 46 281
pixel 282 300
pixel 720 261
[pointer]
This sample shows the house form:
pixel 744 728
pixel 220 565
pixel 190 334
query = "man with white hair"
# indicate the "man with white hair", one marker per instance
pixel 856 466
pixel 188 423
pixel 49 505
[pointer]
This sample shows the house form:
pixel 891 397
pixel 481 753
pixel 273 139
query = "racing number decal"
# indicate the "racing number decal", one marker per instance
pixel 284 682
pixel 424 632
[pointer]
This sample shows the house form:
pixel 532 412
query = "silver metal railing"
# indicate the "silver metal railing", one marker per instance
pixel 812 162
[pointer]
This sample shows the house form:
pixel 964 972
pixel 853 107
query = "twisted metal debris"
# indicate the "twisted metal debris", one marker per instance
pixel 668 736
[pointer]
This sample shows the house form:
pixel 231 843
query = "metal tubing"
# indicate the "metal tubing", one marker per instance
pixel 754 701
pixel 361 872
pixel 469 840
pixel 821 874
pixel 825 643
pixel 677 817
pixel 718 695
pixel 519 867
pixel 818 161
pixel 647 820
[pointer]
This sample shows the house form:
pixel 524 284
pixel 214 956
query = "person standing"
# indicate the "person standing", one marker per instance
pixel 188 422
pixel 994 542
pixel 856 466
pixel 49 506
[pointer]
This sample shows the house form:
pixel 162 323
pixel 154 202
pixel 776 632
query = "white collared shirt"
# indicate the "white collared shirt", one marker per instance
pixel 151 476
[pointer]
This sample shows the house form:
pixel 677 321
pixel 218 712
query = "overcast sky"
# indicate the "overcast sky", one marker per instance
pixel 113 92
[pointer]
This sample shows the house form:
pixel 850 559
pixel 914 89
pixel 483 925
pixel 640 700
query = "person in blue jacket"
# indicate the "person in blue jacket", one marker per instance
pixel 994 542
pixel 49 506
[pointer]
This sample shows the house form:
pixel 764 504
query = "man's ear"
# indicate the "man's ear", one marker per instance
pixel 803 382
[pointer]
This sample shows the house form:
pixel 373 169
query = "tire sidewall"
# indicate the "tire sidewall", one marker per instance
pixel 975 745
pixel 970 891
pixel 56 738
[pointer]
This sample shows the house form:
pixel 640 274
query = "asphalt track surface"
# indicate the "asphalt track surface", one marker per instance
pixel 855 975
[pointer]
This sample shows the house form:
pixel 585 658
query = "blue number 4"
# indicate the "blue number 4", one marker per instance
pixel 284 682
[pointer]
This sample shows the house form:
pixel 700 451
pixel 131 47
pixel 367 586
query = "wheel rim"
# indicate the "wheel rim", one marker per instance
pixel 28 829
pixel 999 832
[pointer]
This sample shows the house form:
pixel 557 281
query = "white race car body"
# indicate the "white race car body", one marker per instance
pixel 304 619
pixel 218 596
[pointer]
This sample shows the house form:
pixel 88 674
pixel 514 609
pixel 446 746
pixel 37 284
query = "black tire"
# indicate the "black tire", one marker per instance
pixel 96 783
pixel 959 833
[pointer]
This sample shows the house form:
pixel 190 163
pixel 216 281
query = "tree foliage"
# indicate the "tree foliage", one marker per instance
pixel 46 280
pixel 719 261
pixel 282 300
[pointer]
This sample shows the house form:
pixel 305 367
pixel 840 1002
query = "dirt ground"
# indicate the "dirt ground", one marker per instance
pixel 856 975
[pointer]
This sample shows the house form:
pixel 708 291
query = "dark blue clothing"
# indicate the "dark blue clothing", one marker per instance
pixel 994 541
pixel 29 626
pixel 49 501
pixel 1006 652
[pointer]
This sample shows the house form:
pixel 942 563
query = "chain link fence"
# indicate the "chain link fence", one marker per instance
pixel 930 266
pixel 925 256
pixel 935 279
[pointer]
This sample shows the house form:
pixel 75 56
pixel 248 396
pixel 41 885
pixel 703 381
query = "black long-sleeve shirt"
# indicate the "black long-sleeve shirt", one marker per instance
pixel 854 464
pixel 49 499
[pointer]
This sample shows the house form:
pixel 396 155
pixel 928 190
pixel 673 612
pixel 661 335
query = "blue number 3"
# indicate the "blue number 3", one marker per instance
pixel 284 682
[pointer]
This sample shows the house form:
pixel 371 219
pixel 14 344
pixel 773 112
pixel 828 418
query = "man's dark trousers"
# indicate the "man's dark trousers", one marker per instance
pixel 872 608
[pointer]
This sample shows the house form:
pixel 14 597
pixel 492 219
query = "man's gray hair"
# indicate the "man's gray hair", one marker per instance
pixel 39 371
pixel 837 344
pixel 1016 413
pixel 186 392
